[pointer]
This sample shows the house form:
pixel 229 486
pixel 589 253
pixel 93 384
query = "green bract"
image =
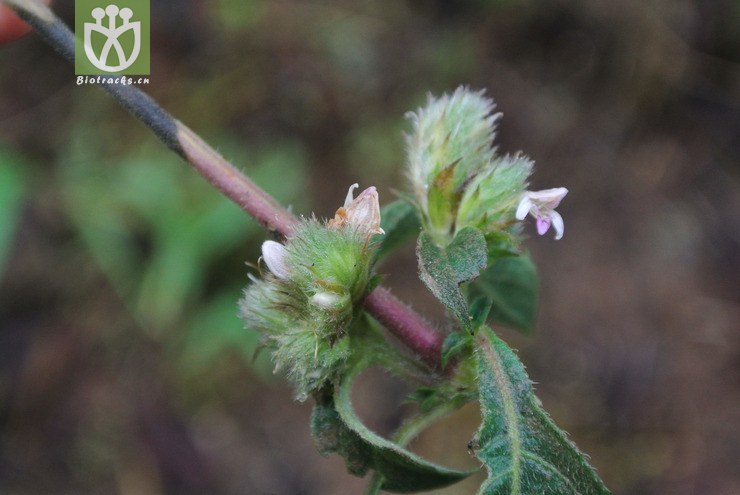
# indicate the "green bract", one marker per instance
pixel 458 179
pixel 490 199
pixel 325 260
pixel 305 306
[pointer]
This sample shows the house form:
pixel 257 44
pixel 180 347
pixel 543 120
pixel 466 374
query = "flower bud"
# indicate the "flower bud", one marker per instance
pixel 326 300
pixel 452 140
pixel 275 257
pixel 361 214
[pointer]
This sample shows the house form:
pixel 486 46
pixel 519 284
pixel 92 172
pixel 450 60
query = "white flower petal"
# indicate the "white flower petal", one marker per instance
pixel 525 204
pixel 348 200
pixel 276 258
pixel 364 212
pixel 548 198
pixel 557 224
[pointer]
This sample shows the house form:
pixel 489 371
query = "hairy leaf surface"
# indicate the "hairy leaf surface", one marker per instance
pixel 467 253
pixel 443 269
pixel 524 451
pixel 440 278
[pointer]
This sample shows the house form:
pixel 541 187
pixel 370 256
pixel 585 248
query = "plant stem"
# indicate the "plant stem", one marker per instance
pixel 408 326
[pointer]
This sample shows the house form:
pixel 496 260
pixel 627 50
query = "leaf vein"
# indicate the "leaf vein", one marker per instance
pixel 510 414
pixel 493 479
pixel 547 465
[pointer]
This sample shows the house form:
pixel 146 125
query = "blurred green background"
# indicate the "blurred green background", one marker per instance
pixel 123 367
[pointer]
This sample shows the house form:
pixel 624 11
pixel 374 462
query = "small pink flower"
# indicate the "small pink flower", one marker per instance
pixel 276 258
pixel 541 205
pixel 361 213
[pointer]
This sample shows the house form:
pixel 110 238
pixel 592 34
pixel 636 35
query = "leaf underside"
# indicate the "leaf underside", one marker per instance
pixel 337 429
pixel 524 451
pixel 410 430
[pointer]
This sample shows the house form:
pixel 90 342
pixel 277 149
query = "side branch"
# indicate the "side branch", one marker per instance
pixel 410 328
pixel 406 324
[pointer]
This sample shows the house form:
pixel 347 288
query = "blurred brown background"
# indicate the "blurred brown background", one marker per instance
pixel 123 367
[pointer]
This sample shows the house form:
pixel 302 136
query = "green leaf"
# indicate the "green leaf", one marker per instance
pixel 410 430
pixel 501 244
pixel 523 450
pixel 400 223
pixel 512 284
pixel 421 395
pixel 443 270
pixel 467 253
pixel 333 436
pixel 480 308
pixel 441 278
pixel 454 344
pixel 337 428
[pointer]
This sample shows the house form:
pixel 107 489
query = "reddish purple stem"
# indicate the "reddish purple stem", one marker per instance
pixel 402 321
pixel 407 325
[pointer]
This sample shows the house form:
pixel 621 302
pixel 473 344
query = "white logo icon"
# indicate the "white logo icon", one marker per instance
pixel 112 33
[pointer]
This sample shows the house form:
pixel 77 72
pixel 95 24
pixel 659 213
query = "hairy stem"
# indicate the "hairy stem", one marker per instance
pixel 410 328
